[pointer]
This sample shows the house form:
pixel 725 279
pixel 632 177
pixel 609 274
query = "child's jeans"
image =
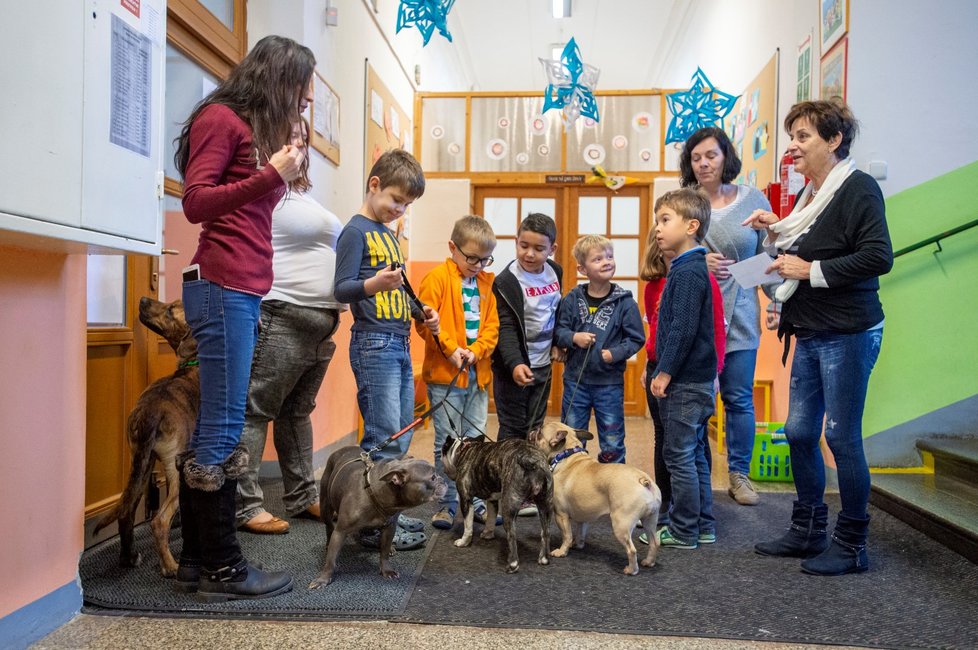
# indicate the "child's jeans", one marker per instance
pixel 608 402
pixel 685 410
pixel 463 414
pixel 520 408
pixel 381 364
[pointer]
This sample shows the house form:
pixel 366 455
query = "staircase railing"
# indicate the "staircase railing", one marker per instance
pixel 936 239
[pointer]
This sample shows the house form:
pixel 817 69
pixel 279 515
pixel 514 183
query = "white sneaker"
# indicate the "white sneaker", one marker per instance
pixel 527 509
pixel 741 490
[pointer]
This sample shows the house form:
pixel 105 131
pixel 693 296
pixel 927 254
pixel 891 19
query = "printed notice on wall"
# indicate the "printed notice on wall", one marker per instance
pixel 131 101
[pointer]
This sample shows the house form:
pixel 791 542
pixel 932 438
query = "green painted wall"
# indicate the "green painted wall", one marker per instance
pixel 929 357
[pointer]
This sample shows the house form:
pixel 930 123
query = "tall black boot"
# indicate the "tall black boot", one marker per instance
pixel 806 537
pixel 188 572
pixel 225 574
pixel 846 553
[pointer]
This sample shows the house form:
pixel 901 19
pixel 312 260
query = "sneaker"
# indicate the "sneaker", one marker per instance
pixel 444 519
pixel 741 489
pixel 527 509
pixel 707 538
pixel 668 541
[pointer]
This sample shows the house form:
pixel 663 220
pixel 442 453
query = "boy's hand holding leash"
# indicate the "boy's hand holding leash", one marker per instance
pixel 387 279
pixel 584 339
pixel 432 320
pixel 522 375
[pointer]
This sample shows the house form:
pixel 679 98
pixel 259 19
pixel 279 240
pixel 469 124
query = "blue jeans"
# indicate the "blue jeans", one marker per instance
pixel 294 348
pixel 829 376
pixel 470 402
pixel 225 324
pixel 685 410
pixel 608 402
pixel 737 391
pixel 382 368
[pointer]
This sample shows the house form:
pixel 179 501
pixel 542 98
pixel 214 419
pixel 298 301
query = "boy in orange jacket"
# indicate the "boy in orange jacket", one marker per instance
pixel 460 290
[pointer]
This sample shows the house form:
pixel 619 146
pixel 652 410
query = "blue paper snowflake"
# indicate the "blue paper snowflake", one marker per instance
pixel 571 86
pixel 702 105
pixel 426 15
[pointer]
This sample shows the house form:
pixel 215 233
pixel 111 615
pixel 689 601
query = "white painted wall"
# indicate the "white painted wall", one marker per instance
pixel 912 86
pixel 340 54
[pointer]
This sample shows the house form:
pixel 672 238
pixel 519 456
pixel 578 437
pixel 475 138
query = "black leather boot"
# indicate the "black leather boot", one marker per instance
pixel 806 537
pixel 847 552
pixel 225 574
pixel 188 571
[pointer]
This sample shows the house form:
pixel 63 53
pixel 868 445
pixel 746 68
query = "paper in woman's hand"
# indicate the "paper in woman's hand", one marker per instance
pixel 751 272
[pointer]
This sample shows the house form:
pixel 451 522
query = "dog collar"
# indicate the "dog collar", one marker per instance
pixel 187 364
pixel 564 454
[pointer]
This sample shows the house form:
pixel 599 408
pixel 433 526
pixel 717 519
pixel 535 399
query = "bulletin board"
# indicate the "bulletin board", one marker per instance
pixel 753 127
pixel 388 125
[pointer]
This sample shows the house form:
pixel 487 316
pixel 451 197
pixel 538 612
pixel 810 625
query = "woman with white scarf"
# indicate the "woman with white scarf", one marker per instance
pixel 831 250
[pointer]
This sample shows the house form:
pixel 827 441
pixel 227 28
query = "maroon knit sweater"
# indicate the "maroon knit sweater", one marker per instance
pixel 224 190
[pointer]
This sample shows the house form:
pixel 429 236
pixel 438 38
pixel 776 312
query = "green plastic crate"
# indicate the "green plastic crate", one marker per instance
pixel 771 460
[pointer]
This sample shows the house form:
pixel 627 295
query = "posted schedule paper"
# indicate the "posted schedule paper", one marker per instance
pixel 750 272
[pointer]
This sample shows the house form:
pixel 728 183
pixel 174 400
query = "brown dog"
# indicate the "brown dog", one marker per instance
pixel 585 489
pixel 159 427
pixel 362 495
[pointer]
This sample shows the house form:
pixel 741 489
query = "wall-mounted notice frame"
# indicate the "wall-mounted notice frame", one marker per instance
pixel 325 119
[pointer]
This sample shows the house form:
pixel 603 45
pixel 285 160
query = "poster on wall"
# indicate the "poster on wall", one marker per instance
pixel 833 72
pixel 803 88
pixel 833 23
pixel 750 127
pixel 325 120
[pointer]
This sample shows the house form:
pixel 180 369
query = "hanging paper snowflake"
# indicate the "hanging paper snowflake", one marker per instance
pixel 571 86
pixel 702 105
pixel 426 15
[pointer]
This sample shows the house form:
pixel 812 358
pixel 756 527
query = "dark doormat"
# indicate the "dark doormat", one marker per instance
pixel 916 593
pixel 358 591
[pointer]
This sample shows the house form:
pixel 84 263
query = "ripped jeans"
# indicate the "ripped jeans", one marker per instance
pixel 829 377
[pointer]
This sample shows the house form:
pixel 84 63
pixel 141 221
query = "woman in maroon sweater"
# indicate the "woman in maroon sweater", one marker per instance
pixel 237 160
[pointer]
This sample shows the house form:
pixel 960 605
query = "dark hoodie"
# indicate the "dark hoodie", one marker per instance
pixel 618 326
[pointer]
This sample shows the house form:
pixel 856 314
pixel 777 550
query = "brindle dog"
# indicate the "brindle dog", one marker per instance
pixel 159 427
pixel 505 474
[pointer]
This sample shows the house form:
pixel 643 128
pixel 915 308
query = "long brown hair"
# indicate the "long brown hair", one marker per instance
pixel 654 262
pixel 263 90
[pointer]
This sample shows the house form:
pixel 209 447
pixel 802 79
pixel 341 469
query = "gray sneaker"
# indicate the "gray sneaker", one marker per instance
pixel 741 490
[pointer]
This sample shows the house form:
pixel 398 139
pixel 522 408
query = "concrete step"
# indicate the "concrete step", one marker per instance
pixel 942 507
pixel 953 457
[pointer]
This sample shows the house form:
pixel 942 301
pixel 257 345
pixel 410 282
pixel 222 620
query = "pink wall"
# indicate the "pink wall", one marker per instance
pixel 42 431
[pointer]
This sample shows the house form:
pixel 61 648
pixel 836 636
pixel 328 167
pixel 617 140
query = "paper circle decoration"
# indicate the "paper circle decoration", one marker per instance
pixel 543 150
pixel 522 158
pixel 437 132
pixel 593 154
pixel 496 149
pixel 454 148
pixel 538 125
pixel 642 121
pixel 619 142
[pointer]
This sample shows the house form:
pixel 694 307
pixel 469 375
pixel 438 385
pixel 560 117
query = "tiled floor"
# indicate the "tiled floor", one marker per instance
pixel 87 631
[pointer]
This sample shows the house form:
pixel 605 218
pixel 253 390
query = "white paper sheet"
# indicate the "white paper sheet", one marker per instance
pixel 750 272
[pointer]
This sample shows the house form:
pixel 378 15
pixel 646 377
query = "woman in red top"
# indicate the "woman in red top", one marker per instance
pixel 237 160
pixel 655 265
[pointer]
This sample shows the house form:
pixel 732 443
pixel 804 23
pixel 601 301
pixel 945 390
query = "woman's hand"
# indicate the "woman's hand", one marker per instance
pixel 717 264
pixel 791 267
pixel 287 161
pixel 761 220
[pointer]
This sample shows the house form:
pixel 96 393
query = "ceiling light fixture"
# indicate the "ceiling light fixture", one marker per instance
pixel 562 8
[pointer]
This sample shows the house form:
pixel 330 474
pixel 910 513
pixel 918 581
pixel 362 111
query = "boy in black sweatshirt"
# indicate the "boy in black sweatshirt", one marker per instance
pixel 687 364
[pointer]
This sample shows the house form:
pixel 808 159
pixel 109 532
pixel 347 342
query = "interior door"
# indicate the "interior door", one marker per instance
pixel 622 216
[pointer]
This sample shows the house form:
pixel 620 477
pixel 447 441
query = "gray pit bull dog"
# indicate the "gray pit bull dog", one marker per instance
pixel 372 500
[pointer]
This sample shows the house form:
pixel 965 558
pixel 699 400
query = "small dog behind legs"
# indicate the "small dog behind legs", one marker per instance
pixel 585 489
pixel 368 495
pixel 505 474
pixel 159 426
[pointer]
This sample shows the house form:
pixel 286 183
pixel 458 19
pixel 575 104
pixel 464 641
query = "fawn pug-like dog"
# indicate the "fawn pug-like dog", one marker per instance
pixel 585 489
pixel 159 426
pixel 506 474
pixel 362 495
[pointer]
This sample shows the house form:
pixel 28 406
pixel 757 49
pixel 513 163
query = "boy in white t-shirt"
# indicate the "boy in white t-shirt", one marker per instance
pixel 527 295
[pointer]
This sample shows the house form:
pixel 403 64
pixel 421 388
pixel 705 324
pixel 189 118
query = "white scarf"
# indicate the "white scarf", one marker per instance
pixel 803 216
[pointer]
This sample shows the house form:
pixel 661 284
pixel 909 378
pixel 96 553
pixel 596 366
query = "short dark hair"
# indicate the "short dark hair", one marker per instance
pixel 689 203
pixel 829 117
pixel 400 169
pixel 540 224
pixel 731 162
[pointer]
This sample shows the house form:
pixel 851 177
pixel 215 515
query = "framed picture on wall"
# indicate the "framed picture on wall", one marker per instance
pixel 833 71
pixel 325 119
pixel 833 22
pixel 803 87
